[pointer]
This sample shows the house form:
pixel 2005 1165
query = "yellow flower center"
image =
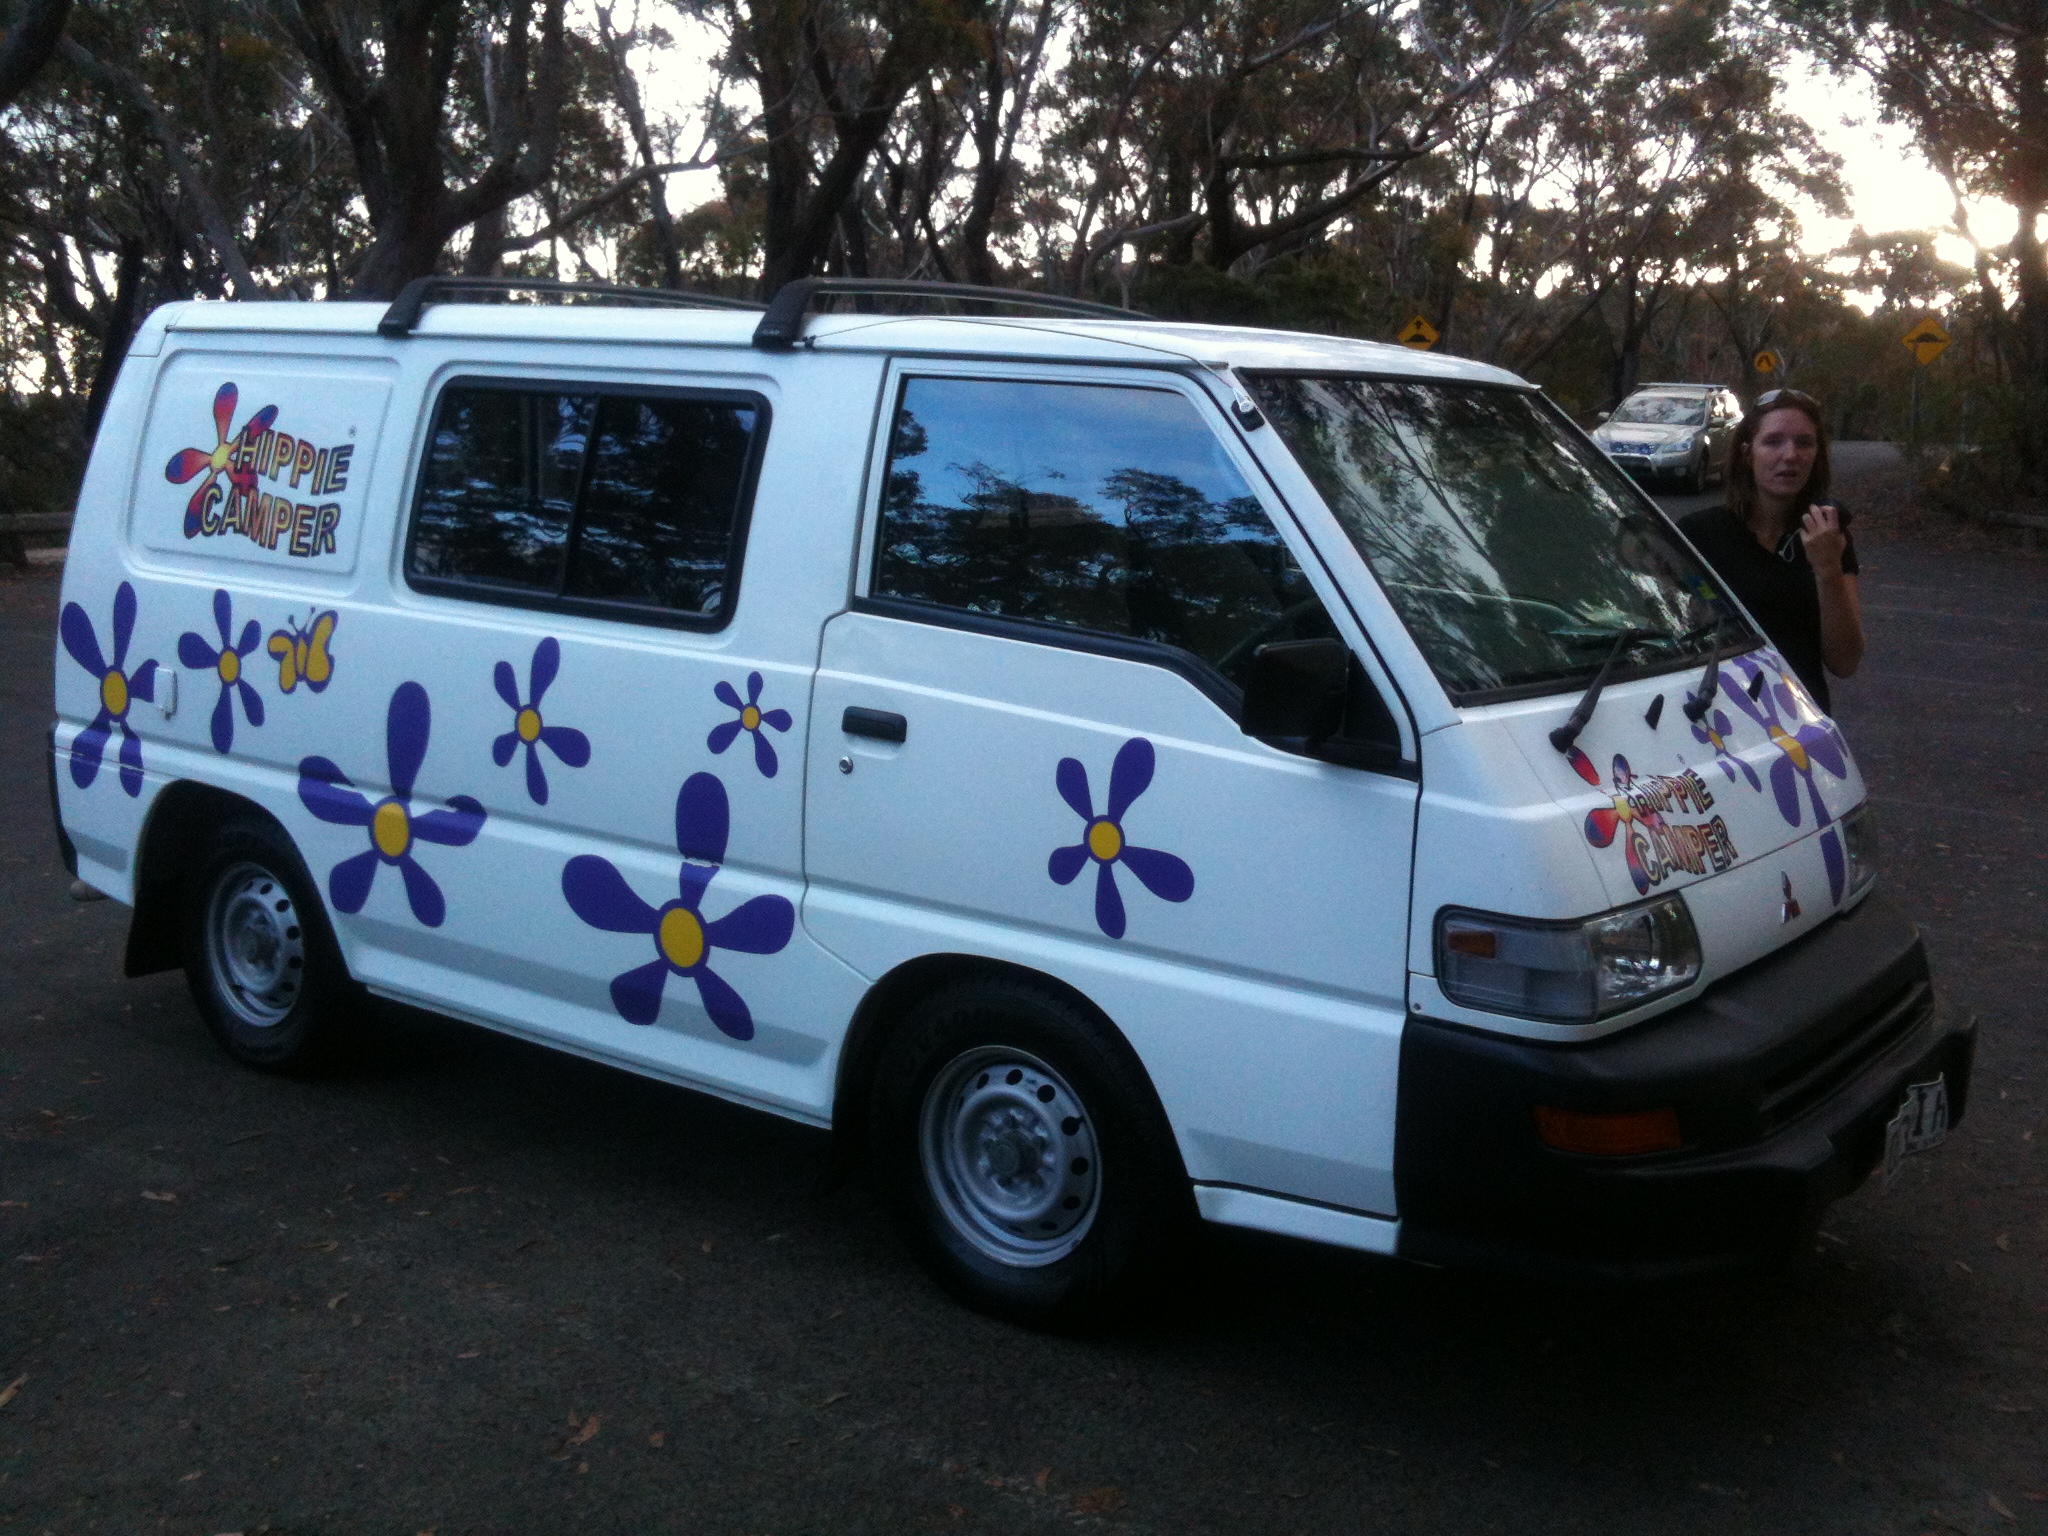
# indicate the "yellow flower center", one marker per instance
pixel 681 938
pixel 528 725
pixel 750 717
pixel 1790 747
pixel 230 666
pixel 114 694
pixel 1105 840
pixel 222 453
pixel 391 829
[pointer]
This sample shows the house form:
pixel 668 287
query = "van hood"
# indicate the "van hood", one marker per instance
pixel 1664 801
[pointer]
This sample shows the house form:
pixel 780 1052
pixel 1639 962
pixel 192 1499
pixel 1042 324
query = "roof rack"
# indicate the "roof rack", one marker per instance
pixel 403 317
pixel 783 325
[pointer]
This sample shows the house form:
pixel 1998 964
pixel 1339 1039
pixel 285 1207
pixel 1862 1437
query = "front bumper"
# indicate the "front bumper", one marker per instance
pixel 1783 1076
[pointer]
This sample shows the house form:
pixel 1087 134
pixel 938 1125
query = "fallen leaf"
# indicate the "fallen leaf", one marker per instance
pixel 189 1476
pixel 658 1439
pixel 337 1301
pixel 957 1511
pixel 708 1245
pixel 393 1196
pixel 467 1189
pixel 1998 1505
pixel 1100 1501
pixel 327 1247
pixel 831 1399
pixel 164 1197
pixel 1039 1482
pixel 7 1392
pixel 2003 1242
pixel 585 1432
pixel 469 1354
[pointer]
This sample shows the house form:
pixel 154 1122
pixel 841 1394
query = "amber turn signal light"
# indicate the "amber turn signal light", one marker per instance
pixel 1630 1135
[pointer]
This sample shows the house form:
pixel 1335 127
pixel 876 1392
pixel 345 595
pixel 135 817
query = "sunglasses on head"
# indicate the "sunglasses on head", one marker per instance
pixel 1773 397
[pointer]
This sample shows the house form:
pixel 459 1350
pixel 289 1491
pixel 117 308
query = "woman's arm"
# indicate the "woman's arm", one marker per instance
pixel 1841 609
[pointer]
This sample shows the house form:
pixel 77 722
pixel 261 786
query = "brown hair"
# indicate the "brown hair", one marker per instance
pixel 1742 498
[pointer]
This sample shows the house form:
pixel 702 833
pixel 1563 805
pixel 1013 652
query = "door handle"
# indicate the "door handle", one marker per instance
pixel 882 724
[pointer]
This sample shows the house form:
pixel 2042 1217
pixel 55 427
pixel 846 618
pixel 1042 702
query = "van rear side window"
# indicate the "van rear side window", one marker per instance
pixel 587 499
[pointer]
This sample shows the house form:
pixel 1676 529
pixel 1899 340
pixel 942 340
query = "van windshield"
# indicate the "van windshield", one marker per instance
pixel 1516 556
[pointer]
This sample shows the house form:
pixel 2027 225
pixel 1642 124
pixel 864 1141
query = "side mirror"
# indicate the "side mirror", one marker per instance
pixel 1312 697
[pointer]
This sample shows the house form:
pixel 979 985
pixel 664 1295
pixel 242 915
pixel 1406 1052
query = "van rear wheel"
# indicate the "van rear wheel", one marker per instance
pixel 259 958
pixel 1026 1155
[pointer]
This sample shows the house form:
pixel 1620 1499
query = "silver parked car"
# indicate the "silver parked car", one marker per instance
pixel 1675 432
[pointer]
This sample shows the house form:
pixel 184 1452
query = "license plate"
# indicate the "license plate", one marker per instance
pixel 1922 1122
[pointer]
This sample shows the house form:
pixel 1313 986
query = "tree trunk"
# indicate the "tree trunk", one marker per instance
pixel 119 331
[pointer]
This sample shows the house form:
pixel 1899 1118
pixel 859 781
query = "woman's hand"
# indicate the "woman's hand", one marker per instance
pixel 1820 531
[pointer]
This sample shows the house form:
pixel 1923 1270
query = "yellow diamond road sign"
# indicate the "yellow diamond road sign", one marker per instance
pixel 1927 341
pixel 1419 334
pixel 1766 362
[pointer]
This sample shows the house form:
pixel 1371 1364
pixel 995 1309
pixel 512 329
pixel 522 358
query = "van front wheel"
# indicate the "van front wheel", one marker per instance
pixel 1026 1154
pixel 258 956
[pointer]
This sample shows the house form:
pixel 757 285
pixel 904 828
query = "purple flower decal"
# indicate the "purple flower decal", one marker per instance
pixel 1713 730
pixel 1805 739
pixel 119 689
pixel 683 939
pixel 224 660
pixel 528 728
pixel 395 828
pixel 1102 839
pixel 751 719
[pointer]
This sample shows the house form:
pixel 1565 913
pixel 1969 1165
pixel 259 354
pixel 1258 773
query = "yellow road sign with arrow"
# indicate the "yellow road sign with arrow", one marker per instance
pixel 1766 362
pixel 1927 341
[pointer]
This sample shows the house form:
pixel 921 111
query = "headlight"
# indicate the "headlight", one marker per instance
pixel 1859 845
pixel 1569 972
pixel 1676 449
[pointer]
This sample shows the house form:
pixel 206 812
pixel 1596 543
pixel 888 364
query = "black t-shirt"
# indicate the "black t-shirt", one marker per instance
pixel 1778 588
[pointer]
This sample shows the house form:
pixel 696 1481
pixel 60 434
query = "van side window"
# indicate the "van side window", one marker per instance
pixel 500 487
pixel 1097 509
pixel 586 499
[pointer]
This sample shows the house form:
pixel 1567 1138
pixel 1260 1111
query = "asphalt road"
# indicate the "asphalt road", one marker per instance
pixel 466 1285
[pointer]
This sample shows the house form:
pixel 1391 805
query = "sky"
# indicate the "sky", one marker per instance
pixel 1890 186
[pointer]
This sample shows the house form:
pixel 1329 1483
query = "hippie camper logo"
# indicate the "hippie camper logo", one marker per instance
pixel 231 497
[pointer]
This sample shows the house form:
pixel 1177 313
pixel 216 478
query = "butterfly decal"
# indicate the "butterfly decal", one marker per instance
pixel 302 654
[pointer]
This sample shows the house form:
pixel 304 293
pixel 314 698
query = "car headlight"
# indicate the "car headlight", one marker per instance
pixel 1676 449
pixel 1859 845
pixel 1568 972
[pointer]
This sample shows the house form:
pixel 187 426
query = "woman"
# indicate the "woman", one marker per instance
pixel 1781 546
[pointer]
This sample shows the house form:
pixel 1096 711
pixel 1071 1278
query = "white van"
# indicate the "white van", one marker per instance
pixel 1111 770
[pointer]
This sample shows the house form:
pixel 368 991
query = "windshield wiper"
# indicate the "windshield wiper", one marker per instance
pixel 1701 699
pixel 1565 735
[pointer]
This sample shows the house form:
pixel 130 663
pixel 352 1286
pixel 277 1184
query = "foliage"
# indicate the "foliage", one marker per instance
pixel 1590 194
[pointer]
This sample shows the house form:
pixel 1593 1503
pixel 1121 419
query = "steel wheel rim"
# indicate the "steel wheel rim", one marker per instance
pixel 255 945
pixel 1008 1153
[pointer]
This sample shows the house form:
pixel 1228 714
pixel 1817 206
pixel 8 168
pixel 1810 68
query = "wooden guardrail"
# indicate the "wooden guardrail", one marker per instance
pixel 14 525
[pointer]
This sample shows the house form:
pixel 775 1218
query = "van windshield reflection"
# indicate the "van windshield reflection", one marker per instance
pixel 1513 553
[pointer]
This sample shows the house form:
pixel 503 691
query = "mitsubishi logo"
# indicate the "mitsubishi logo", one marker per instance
pixel 1791 902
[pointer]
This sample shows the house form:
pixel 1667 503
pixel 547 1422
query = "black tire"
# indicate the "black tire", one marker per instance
pixel 259 955
pixel 1696 474
pixel 1027 1155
